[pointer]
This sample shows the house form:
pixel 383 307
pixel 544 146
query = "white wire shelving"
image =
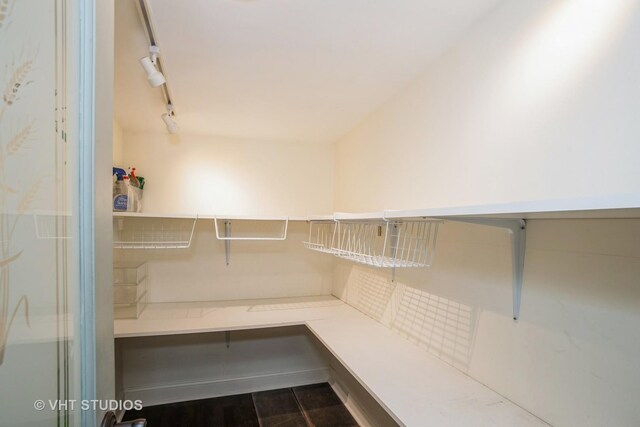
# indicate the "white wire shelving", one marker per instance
pixel 388 243
pixel 175 231
pixel 377 242
pixel 511 217
pixel 282 235
pixel 254 235
pixel 153 232
pixel 321 236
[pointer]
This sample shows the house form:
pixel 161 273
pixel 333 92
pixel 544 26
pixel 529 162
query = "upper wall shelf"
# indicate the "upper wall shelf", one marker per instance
pixel 206 216
pixel 153 215
pixel 507 216
pixel 618 206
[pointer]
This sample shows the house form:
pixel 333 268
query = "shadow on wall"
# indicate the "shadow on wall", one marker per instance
pixel 443 327
pixel 369 292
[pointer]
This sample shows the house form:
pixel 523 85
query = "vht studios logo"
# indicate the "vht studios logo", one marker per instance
pixel 86 405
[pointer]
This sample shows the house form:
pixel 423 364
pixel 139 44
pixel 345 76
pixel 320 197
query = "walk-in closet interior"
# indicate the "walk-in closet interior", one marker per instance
pixel 376 213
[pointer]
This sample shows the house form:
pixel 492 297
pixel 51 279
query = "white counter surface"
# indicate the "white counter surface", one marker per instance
pixel 416 388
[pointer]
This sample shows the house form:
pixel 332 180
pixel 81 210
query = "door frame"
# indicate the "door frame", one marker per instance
pixel 86 204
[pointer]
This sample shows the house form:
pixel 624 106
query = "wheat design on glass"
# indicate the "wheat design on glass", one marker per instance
pixel 10 215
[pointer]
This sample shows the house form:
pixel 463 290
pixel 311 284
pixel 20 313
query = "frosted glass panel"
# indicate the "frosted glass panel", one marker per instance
pixel 37 221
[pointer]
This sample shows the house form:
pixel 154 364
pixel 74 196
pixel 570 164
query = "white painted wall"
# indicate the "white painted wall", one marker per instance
pixel 118 144
pixel 187 173
pixel 257 269
pixel 196 174
pixel 539 101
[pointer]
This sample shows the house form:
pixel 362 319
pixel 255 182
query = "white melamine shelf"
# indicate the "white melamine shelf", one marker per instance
pixel 253 217
pixel 617 206
pixel 413 386
pixel 204 216
pixel 192 317
pixel 153 215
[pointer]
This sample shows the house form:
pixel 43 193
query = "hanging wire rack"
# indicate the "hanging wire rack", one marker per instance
pixel 282 233
pixel 386 243
pixel 321 236
pixel 153 233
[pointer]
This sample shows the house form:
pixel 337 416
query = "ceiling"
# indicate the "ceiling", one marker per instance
pixel 285 70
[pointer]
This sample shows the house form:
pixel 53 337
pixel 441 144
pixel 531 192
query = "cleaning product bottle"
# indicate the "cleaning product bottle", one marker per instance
pixel 120 197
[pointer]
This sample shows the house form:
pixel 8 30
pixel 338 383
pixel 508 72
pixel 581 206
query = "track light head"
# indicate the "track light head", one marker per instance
pixel 154 76
pixel 172 126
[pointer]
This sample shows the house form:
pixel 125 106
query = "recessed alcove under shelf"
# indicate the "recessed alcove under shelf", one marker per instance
pixel 358 342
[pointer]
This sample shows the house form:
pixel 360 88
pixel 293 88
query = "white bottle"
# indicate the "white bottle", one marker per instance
pixel 120 196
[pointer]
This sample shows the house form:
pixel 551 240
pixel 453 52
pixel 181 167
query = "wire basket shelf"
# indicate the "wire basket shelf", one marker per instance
pixel 321 236
pixel 378 243
pixel 153 233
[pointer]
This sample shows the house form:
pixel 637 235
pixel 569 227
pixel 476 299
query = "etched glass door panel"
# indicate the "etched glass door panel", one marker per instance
pixel 38 195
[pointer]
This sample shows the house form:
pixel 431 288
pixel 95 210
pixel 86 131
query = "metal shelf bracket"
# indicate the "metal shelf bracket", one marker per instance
pixel 517 228
pixel 227 243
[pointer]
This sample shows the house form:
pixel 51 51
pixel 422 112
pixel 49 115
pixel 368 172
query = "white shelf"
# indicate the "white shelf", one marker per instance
pixel 615 206
pixel 619 206
pixel 153 215
pixel 252 217
pixel 210 316
pixel 512 218
pixel 414 387
pixel 204 216
pixel 345 216
pixel 327 217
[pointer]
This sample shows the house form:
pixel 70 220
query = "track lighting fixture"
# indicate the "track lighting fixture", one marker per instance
pixel 149 63
pixel 172 126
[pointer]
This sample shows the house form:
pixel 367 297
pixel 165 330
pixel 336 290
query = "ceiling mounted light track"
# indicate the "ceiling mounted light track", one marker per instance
pixel 153 67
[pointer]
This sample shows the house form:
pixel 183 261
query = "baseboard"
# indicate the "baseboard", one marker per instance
pixel 170 393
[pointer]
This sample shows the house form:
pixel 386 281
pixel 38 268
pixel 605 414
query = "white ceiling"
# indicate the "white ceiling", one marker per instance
pixel 292 70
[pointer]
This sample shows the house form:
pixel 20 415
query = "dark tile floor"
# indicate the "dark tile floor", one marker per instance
pixel 311 405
